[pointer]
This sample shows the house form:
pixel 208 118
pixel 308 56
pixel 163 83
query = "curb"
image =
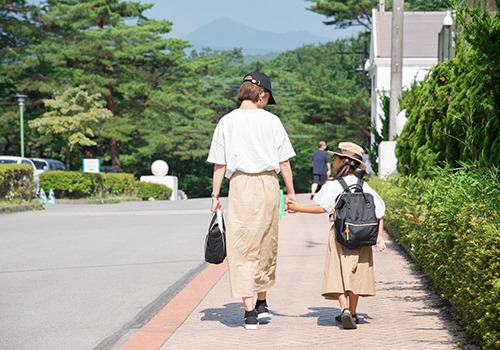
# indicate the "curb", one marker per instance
pixel 9 209
pixel 20 208
pixel 97 201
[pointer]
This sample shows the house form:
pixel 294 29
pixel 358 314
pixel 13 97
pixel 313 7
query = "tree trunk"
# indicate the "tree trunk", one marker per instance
pixel 114 151
pixel 67 158
pixel 114 148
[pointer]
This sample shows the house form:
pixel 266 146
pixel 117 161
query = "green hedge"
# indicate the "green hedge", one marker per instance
pixel 76 184
pixel 16 182
pixel 155 191
pixel 450 225
pixel 119 185
pixel 72 184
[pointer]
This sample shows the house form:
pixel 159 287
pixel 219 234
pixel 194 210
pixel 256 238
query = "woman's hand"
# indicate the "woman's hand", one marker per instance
pixel 215 205
pixel 290 197
pixel 380 244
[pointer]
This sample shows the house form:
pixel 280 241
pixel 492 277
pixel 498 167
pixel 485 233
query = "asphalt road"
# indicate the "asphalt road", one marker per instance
pixel 87 276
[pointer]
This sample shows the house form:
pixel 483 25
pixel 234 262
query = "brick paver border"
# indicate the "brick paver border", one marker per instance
pixel 157 331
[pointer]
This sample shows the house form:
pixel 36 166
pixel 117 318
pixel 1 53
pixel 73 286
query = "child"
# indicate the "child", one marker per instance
pixel 348 272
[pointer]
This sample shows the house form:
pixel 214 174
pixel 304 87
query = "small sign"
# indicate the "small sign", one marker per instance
pixel 91 165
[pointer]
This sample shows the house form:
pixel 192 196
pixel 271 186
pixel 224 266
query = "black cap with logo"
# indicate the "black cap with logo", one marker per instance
pixel 263 80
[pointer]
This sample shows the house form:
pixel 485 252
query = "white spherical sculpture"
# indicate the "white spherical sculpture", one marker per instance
pixel 159 168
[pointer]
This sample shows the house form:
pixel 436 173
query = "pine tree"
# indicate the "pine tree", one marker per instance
pixel 112 49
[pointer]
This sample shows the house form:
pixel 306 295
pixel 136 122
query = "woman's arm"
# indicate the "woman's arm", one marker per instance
pixel 218 176
pixel 286 173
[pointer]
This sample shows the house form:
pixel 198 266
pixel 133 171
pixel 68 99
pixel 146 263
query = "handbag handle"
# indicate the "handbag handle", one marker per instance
pixel 220 221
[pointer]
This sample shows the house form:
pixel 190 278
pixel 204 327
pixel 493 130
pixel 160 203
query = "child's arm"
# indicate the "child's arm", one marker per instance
pixel 294 207
pixel 380 245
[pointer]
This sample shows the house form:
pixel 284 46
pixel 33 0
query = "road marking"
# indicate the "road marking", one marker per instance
pixel 157 331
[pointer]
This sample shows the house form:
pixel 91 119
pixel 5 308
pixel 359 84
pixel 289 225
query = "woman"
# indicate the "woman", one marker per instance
pixel 250 147
pixel 348 272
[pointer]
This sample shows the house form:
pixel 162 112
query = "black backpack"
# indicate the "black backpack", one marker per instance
pixel 356 224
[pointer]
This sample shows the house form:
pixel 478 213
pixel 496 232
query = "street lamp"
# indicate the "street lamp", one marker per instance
pixel 445 42
pixel 21 98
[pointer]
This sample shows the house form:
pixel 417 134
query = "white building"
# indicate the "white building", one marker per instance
pixel 420 53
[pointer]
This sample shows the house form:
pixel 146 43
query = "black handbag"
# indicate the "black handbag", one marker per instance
pixel 215 241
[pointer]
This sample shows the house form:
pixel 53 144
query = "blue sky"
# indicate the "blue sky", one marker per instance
pixel 269 15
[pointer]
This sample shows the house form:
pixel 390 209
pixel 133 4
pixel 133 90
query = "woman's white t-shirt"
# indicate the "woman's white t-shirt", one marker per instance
pixel 251 141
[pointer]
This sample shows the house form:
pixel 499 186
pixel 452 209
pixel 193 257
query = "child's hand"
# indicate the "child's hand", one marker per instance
pixel 291 207
pixel 380 244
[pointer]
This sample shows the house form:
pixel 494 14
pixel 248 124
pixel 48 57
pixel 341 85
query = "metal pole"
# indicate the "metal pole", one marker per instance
pixel 446 41
pixel 21 98
pixel 396 64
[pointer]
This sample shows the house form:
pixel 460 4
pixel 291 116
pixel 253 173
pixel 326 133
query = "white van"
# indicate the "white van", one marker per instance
pixel 22 160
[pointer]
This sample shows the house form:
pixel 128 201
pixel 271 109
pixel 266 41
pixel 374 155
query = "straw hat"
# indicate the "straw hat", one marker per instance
pixel 352 151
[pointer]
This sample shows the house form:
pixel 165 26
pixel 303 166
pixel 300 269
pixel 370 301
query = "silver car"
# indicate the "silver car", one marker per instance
pixel 45 164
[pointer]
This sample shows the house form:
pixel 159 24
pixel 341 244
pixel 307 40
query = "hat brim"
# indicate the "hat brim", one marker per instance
pixel 271 99
pixel 361 166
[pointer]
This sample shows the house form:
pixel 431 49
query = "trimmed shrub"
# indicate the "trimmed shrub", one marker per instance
pixel 119 185
pixel 16 182
pixel 147 190
pixel 72 184
pixel 450 224
pixel 76 184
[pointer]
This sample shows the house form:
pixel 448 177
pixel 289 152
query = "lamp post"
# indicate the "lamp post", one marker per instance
pixel 446 42
pixel 21 98
pixel 396 64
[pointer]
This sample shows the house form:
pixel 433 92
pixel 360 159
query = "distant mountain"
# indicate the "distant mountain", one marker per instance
pixel 225 34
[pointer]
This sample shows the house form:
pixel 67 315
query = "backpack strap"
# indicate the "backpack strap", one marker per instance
pixel 359 184
pixel 337 199
pixel 344 185
pixel 357 187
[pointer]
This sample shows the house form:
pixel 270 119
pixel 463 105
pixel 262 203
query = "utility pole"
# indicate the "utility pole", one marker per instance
pixel 396 64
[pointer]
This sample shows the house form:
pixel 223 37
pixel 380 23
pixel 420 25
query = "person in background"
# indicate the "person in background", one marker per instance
pixel 321 167
pixel 250 147
pixel 348 272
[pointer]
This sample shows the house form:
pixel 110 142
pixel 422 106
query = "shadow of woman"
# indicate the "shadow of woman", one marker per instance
pixel 231 315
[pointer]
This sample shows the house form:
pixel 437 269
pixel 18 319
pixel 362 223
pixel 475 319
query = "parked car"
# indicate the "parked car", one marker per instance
pixel 22 160
pixel 109 169
pixel 44 164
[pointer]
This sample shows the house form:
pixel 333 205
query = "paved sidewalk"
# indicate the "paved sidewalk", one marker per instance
pixel 403 314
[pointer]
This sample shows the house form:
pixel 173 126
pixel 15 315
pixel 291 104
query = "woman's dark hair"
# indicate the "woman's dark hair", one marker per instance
pixel 249 91
pixel 349 167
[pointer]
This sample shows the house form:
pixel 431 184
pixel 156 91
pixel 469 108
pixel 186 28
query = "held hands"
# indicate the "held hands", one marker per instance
pixel 291 206
pixel 380 245
pixel 289 198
